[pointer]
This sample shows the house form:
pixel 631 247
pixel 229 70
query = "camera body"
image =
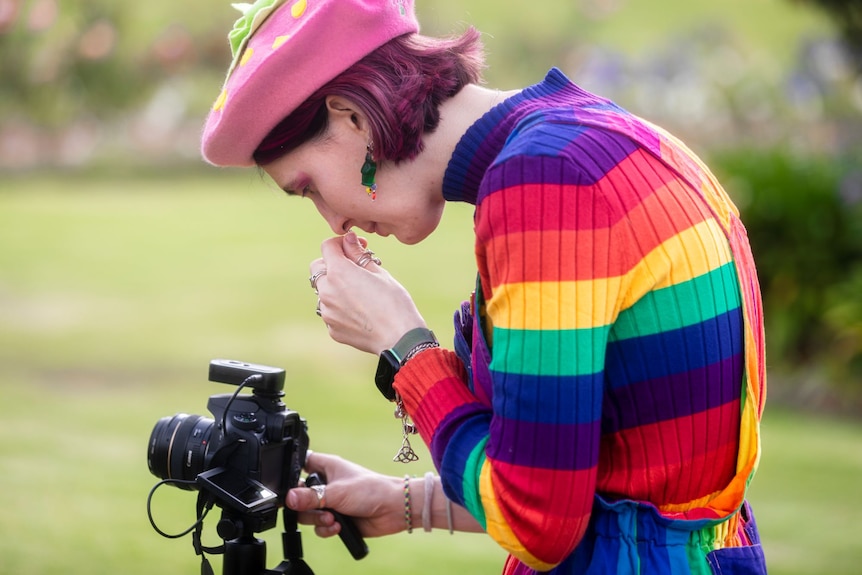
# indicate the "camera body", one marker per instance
pixel 247 456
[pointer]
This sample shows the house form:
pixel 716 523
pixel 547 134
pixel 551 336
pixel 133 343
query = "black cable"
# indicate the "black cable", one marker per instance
pixel 199 520
pixel 204 503
pixel 246 381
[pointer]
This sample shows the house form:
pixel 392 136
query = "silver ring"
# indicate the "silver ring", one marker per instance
pixel 313 279
pixel 317 309
pixel 367 256
pixel 320 490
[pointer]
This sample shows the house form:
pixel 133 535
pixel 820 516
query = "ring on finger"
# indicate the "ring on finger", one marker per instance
pixel 316 276
pixel 366 257
pixel 320 490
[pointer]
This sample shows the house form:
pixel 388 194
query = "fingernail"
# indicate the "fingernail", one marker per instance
pixel 292 499
pixel 351 237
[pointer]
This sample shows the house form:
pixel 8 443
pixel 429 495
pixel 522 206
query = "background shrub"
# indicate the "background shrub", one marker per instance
pixel 804 220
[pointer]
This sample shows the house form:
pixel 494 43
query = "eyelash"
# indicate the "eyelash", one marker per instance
pixel 304 192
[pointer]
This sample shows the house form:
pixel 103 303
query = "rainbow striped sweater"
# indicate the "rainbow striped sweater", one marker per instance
pixel 605 392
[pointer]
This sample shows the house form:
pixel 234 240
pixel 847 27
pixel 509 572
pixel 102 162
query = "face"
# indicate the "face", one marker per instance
pixel 327 172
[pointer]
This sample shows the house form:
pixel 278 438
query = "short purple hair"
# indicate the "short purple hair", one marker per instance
pixel 399 87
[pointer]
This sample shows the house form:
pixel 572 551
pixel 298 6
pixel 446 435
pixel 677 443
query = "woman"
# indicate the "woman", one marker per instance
pixel 600 410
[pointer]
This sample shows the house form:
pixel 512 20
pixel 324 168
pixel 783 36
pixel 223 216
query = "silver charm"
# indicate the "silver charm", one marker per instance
pixel 405 453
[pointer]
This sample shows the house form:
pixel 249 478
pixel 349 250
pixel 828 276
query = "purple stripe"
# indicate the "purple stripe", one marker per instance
pixel 450 425
pixel 587 155
pixel 672 396
pixel 599 152
pixel 544 445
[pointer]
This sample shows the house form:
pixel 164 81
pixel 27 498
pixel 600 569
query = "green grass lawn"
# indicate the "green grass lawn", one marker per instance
pixel 114 296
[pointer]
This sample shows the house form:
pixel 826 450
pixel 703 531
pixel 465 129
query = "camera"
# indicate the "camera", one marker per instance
pixel 244 459
pixel 248 455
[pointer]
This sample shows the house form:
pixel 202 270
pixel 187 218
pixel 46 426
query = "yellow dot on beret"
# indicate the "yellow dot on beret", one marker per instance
pixel 298 9
pixel 246 56
pixel 220 102
pixel 279 40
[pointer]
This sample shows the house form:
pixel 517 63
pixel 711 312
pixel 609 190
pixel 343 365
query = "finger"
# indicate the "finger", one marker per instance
pixel 333 254
pixel 302 499
pixel 327 530
pixel 321 463
pixel 352 247
pixel 323 521
pixel 317 264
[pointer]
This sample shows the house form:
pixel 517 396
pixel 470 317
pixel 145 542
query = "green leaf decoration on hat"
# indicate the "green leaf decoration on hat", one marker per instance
pixel 253 15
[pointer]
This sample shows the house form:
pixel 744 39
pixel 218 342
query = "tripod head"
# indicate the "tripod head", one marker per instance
pixel 245 554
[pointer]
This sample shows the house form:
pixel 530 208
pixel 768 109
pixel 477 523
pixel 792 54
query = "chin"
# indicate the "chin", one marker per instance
pixel 410 239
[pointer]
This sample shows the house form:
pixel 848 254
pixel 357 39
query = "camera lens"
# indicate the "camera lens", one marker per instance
pixel 179 447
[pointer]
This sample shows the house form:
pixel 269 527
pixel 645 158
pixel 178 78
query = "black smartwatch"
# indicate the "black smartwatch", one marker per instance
pixel 391 360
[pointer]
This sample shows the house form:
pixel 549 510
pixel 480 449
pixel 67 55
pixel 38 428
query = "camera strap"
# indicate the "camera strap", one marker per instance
pixel 204 504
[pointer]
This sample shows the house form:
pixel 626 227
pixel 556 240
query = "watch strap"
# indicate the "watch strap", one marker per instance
pixel 391 360
pixel 410 341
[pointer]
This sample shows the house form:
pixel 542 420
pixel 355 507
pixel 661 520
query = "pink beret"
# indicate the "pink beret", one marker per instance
pixel 284 51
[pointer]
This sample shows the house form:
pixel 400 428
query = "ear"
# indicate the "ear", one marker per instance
pixel 347 113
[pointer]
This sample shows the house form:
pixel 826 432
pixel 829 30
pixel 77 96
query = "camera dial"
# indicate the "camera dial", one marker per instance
pixel 245 421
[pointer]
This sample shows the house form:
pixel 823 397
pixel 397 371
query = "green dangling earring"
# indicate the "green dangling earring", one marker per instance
pixel 369 169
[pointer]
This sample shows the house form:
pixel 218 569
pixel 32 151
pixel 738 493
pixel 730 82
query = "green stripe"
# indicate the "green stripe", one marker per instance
pixel 680 305
pixel 470 486
pixel 569 352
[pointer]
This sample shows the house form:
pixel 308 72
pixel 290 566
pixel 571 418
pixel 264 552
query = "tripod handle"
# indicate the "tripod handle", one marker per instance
pixel 349 533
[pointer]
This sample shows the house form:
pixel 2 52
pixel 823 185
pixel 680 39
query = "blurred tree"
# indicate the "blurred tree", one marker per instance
pixel 847 15
pixel 98 58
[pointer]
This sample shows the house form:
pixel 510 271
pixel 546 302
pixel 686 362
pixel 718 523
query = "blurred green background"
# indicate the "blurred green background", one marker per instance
pixel 126 264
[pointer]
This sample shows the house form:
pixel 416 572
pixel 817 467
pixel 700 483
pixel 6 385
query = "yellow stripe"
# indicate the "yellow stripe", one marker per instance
pixel 553 305
pixel 499 529
pixel 586 304
pixel 694 252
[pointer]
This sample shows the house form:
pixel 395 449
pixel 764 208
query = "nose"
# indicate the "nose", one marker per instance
pixel 337 223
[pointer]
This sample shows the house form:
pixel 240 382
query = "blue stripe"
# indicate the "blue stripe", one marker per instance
pixel 456 437
pixel 676 351
pixel 565 400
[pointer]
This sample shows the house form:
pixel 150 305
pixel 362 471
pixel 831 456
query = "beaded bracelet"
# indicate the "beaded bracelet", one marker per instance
pixel 407 517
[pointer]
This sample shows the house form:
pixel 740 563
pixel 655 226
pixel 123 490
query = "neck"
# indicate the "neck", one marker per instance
pixel 456 116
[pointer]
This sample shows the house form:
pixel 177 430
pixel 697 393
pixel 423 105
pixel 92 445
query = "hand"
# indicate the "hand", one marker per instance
pixel 374 501
pixel 362 306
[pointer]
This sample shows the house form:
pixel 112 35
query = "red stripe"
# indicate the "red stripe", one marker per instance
pixel 541 238
pixel 550 521
pixel 673 461
pixel 532 205
pixel 431 386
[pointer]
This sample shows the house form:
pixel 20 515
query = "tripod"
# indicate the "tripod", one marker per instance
pixel 245 554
